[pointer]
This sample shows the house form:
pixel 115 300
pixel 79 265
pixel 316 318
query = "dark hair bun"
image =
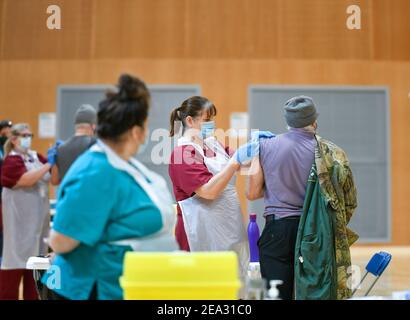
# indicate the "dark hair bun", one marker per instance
pixel 131 88
pixel 124 109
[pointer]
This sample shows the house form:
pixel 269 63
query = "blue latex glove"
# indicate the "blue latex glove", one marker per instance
pixel 256 135
pixel 52 155
pixel 247 152
pixel 59 142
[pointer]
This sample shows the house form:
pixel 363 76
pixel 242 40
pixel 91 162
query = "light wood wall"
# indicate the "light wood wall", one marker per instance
pixel 205 29
pixel 223 45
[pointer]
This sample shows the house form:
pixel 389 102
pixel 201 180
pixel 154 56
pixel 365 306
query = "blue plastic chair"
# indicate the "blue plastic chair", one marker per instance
pixel 376 266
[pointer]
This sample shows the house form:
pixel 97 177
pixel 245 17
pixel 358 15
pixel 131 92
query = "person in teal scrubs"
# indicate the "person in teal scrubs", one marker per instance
pixel 106 197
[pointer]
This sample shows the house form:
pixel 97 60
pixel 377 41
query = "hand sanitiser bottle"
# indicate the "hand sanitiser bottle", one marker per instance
pixel 253 236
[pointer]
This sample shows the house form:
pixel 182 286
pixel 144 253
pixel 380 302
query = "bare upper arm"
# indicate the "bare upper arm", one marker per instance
pixel 256 181
pixel 55 176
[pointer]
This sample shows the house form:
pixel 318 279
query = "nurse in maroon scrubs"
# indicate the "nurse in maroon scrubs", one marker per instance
pixel 202 172
pixel 24 177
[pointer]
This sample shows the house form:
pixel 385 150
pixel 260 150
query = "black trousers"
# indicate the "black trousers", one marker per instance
pixel 276 253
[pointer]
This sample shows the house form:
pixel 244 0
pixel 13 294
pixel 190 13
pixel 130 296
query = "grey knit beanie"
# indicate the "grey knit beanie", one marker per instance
pixel 300 112
pixel 86 114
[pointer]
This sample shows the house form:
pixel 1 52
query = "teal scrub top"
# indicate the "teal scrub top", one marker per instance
pixel 98 204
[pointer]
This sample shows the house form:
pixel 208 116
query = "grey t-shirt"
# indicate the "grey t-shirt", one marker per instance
pixel 70 150
pixel 286 162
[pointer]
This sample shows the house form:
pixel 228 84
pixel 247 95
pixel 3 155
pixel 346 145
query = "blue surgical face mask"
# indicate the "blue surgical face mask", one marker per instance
pixel 25 143
pixel 207 129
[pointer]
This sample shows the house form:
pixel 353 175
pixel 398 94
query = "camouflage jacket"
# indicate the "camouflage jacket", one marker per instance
pixel 338 188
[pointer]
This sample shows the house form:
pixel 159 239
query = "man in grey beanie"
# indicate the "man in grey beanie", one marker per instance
pixel 85 121
pixel 281 176
pixel 282 171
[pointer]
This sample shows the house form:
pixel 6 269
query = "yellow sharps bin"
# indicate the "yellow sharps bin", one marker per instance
pixel 180 276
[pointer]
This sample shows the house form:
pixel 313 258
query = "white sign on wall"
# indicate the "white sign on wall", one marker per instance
pixel 47 125
pixel 239 124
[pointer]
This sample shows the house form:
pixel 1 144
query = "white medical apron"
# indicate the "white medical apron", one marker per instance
pixel 156 188
pixel 26 219
pixel 215 225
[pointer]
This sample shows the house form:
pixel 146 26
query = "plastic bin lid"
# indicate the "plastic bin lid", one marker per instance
pixel 181 267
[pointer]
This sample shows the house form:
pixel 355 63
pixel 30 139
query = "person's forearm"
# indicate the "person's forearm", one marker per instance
pixel 214 187
pixel 62 244
pixel 253 193
pixel 31 177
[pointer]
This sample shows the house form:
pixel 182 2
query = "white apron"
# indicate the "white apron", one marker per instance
pixel 156 188
pixel 26 219
pixel 215 225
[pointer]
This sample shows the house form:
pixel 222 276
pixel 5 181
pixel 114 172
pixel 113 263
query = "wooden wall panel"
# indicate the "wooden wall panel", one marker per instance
pixel 186 29
pixel 206 29
pixel 317 30
pixel 26 36
pixel 391 34
pixel 29 87
pixel 140 28
pixel 2 18
pixel 232 28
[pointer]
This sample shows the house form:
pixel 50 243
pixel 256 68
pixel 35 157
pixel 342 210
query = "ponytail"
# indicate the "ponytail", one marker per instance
pixel 174 117
pixel 8 147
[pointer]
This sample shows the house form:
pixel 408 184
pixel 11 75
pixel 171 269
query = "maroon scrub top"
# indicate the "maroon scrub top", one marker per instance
pixel 188 172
